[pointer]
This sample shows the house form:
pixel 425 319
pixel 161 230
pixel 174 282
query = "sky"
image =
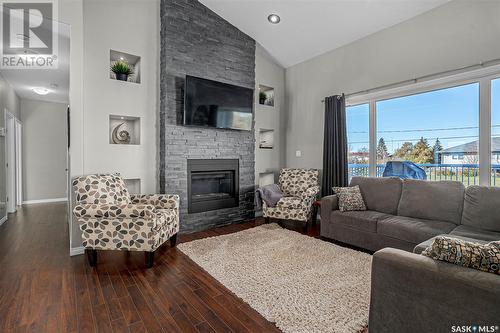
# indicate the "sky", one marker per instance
pixel 451 114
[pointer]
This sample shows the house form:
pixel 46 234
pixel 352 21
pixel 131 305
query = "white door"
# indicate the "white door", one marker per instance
pixel 11 162
pixel 19 164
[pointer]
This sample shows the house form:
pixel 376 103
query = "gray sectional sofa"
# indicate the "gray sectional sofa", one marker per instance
pixel 405 213
pixel 411 292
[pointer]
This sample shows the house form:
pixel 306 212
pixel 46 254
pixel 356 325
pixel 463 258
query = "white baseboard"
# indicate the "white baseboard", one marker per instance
pixel 3 219
pixel 30 202
pixel 76 251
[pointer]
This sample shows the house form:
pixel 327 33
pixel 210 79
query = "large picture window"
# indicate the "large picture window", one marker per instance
pixel 437 129
pixel 432 135
pixel 358 139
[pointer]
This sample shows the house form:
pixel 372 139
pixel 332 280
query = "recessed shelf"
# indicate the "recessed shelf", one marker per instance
pixel 124 130
pixel 266 95
pixel 266 138
pixel 133 185
pixel 266 178
pixel 133 61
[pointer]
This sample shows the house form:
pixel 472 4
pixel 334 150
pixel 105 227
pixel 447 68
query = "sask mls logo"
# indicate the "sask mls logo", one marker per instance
pixel 29 34
pixel 474 329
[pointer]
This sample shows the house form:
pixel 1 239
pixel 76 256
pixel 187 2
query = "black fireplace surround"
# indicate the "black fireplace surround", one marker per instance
pixel 212 184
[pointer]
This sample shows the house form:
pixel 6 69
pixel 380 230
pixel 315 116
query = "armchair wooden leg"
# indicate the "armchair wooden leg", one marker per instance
pixel 92 257
pixel 173 240
pixel 150 257
pixel 314 214
pixel 304 229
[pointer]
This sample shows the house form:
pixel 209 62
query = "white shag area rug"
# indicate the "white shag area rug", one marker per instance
pixel 301 283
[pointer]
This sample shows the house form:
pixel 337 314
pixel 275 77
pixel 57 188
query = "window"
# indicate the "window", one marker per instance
pixel 358 139
pixel 434 125
pixel 437 130
pixel 495 132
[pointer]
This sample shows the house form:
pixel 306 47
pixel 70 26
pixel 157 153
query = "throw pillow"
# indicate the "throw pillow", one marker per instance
pixel 468 254
pixel 122 194
pixel 350 198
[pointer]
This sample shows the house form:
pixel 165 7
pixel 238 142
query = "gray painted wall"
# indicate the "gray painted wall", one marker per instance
pixel 8 99
pixel 133 28
pixel 198 42
pixel 457 34
pixel 269 73
pixel 44 150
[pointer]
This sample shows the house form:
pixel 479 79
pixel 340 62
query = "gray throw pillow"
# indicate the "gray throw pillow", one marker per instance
pixel 350 198
pixel 485 257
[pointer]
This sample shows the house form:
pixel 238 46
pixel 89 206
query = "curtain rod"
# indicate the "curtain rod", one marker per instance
pixel 422 78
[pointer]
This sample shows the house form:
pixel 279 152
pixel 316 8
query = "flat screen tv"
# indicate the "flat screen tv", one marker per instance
pixel 210 103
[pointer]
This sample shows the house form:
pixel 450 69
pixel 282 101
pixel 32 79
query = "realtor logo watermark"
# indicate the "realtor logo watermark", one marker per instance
pixel 29 34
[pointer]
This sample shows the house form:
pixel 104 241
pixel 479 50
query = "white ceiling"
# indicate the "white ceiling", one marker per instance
pixel 312 27
pixel 24 80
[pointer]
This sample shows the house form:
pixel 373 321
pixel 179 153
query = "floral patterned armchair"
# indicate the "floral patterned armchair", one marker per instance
pixel 300 188
pixel 112 219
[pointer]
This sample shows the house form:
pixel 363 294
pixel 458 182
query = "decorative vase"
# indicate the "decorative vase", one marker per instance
pixel 262 100
pixel 121 76
pixel 120 135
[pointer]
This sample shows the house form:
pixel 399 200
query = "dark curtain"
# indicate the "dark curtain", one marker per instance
pixel 334 145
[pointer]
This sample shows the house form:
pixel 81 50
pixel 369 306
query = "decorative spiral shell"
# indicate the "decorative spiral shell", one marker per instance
pixel 120 136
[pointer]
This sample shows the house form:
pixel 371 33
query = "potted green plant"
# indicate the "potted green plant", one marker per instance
pixel 262 97
pixel 122 70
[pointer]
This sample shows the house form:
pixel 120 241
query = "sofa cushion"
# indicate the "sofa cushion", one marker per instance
pixel 483 257
pixel 350 198
pixel 482 208
pixel 360 220
pixel 476 233
pixel 380 194
pixel 412 230
pixel 439 200
pixel 425 244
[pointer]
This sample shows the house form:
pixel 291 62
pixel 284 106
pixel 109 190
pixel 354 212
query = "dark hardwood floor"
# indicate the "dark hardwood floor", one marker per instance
pixel 43 289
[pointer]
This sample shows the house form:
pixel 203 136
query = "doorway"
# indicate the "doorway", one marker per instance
pixel 19 164
pixel 13 161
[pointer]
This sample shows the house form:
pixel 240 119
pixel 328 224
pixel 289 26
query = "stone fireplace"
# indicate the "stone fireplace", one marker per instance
pixel 195 41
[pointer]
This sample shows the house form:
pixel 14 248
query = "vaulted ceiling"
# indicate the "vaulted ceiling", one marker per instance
pixel 309 28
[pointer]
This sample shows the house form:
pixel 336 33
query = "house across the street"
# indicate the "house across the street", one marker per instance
pixel 467 153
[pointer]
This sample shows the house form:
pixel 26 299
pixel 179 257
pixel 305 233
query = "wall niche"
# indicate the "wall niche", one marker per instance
pixel 133 185
pixel 266 138
pixel 119 62
pixel 266 95
pixel 124 130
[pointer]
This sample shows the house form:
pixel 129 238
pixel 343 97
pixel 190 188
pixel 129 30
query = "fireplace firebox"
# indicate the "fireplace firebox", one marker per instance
pixel 212 184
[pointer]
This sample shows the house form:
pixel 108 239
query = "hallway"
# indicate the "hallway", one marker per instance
pixel 36 275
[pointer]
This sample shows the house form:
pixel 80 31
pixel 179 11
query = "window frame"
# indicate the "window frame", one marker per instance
pixel 369 132
pixel 483 76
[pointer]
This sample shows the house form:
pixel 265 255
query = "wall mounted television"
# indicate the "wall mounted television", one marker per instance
pixel 215 104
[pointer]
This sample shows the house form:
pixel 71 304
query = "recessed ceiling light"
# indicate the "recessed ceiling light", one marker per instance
pixel 41 91
pixel 274 18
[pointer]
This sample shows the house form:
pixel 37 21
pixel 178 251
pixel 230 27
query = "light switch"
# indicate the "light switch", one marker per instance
pixel 298 153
